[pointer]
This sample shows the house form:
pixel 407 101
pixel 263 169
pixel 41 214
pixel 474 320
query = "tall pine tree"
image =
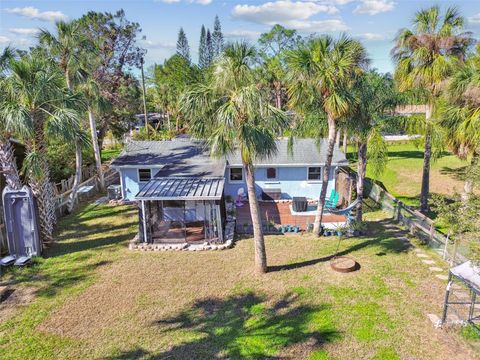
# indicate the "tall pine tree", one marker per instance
pixel 209 43
pixel 202 49
pixel 217 37
pixel 182 45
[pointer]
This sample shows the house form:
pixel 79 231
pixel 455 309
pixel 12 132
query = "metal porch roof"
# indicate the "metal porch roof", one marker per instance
pixel 182 188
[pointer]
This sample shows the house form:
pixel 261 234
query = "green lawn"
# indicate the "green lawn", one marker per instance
pixel 93 298
pixel 110 154
pixel 403 175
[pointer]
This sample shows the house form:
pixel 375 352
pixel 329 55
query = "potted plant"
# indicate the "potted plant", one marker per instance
pixel 271 226
pixel 341 230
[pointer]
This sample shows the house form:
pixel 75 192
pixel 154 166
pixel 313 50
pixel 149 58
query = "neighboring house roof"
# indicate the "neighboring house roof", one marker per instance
pixel 181 188
pixel 187 157
pixel 304 152
pixel 410 109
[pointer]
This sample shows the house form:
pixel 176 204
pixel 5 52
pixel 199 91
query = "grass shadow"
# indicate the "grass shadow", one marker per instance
pixel 244 326
pixel 459 173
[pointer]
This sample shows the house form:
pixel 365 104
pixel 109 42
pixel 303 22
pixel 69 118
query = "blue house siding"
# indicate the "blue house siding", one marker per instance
pixel 130 184
pixel 292 180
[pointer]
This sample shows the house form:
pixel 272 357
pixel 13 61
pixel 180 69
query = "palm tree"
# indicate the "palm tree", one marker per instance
pixel 461 117
pixel 7 156
pixel 425 57
pixel 36 104
pixel 66 47
pixel 92 97
pixel 321 74
pixel 375 95
pixel 233 113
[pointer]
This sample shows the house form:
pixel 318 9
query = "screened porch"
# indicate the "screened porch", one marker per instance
pixel 181 210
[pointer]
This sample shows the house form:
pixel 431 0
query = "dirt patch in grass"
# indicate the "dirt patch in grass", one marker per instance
pixel 206 305
pixel 13 298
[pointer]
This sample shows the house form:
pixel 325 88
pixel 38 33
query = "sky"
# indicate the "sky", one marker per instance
pixel 374 22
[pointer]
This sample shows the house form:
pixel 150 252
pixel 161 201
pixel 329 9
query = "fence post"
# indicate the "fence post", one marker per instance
pixel 399 211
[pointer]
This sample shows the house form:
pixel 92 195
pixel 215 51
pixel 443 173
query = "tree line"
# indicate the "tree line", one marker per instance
pixel 67 92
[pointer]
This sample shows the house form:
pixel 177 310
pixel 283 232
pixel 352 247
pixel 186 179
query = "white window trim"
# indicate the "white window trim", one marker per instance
pixel 276 173
pixel 138 175
pixel 321 175
pixel 230 181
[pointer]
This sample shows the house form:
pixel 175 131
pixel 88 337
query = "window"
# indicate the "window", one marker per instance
pixel 236 174
pixel 314 173
pixel 271 173
pixel 144 175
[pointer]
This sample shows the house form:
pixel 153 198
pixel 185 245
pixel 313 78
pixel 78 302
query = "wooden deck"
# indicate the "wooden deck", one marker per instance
pixel 280 214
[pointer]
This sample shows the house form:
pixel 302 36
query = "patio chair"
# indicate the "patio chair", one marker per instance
pixel 332 201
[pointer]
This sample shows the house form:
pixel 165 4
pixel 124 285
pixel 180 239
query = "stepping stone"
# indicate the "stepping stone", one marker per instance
pixel 420 255
pixel 418 250
pixel 442 277
pixel 434 319
pixel 434 268
pixel 428 262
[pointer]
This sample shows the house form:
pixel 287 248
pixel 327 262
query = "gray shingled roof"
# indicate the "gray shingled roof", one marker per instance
pixel 178 157
pixel 186 157
pixel 304 152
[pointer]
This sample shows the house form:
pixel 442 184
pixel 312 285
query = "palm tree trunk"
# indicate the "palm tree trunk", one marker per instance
pixel 278 94
pixel 78 160
pixel 426 163
pixel 42 188
pixel 258 240
pixel 345 140
pixel 9 164
pixel 317 225
pixel 361 171
pixel 96 149
pixel 468 186
pixel 78 176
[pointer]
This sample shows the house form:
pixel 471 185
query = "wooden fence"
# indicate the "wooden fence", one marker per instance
pixel 67 184
pixel 418 224
pixel 61 200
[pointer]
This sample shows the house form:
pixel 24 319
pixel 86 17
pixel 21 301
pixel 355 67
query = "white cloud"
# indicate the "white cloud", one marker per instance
pixel 200 2
pixel 4 40
pixel 373 7
pixel 475 19
pixel 340 2
pixel 16 42
pixel 330 25
pixel 24 31
pixel 291 14
pixel 372 36
pixel 33 13
pixel 244 34
pixel 281 11
pixel 149 44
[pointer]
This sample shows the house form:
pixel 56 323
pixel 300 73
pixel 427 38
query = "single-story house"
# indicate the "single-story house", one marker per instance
pixel 181 189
